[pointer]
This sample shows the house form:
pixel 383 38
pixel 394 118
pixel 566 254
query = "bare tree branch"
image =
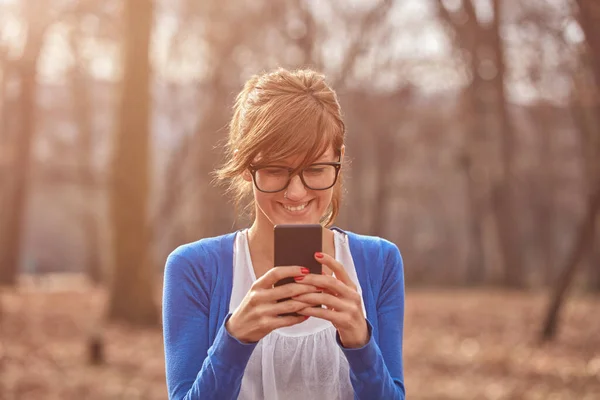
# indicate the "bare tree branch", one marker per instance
pixel 359 44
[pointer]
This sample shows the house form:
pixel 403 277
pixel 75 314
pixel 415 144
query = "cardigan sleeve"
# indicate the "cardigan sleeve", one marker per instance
pixel 376 371
pixel 195 369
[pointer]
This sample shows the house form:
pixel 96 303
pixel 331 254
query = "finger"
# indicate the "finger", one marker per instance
pixel 331 284
pixel 326 299
pixel 281 322
pixel 335 317
pixel 276 274
pixel 285 291
pixel 327 291
pixel 337 268
pixel 285 307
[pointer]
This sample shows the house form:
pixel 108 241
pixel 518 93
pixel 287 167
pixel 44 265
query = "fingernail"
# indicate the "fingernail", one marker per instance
pixel 305 270
pixel 319 254
pixel 298 278
pixel 305 318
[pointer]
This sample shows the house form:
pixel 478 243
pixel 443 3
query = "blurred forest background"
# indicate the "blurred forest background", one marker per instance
pixel 474 145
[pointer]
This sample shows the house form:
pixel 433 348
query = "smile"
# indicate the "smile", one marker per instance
pixel 297 208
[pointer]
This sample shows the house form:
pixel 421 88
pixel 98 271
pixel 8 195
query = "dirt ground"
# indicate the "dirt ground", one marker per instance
pixel 458 344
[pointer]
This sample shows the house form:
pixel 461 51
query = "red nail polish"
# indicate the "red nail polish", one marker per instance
pixel 305 270
pixel 298 278
pixel 319 255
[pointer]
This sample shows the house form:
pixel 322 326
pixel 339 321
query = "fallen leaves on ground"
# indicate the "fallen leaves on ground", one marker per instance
pixel 458 344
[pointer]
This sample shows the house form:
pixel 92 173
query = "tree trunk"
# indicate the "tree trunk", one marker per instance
pixel 594 264
pixel 16 194
pixel 588 126
pixel 131 297
pixel 504 198
pixel 584 238
pixel 474 158
pixel 545 209
pixel 4 113
pixel 589 19
pixel 489 123
pixel 384 145
pixel 83 117
pixel 5 132
pixel 475 273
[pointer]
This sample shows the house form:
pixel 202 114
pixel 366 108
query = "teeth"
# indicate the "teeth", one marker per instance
pixel 298 208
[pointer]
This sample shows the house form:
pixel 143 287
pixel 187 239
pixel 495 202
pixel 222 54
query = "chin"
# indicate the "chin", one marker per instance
pixel 296 221
pixel 287 219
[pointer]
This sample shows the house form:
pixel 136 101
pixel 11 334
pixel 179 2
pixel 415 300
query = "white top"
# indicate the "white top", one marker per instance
pixel 300 362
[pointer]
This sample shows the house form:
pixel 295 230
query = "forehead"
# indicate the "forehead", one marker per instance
pixel 297 159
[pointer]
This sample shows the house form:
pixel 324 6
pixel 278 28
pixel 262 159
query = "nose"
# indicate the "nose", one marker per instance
pixel 296 190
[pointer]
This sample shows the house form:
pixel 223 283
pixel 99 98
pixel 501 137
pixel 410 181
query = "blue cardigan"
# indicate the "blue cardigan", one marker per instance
pixel 204 362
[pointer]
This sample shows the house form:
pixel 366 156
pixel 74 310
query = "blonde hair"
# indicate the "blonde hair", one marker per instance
pixel 277 115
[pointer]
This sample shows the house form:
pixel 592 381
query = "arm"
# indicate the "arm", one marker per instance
pixel 195 369
pixel 376 371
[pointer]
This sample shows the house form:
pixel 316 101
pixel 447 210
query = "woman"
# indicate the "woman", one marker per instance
pixel 223 336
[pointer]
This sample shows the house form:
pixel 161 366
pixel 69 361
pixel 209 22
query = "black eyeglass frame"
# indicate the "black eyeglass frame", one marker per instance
pixel 255 168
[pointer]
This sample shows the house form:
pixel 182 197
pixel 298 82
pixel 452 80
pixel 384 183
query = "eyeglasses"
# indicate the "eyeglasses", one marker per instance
pixel 275 178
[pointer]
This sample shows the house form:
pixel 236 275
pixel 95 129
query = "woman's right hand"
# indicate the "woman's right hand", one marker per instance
pixel 258 313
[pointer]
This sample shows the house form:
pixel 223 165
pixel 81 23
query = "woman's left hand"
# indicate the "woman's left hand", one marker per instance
pixel 343 302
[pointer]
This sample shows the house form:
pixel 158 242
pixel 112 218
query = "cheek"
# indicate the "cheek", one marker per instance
pixel 264 200
pixel 325 198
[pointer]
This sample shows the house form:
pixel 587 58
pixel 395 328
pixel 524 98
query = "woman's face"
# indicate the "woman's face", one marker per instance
pixel 296 204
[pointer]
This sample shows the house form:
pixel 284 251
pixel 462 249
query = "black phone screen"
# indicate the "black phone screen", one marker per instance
pixel 296 245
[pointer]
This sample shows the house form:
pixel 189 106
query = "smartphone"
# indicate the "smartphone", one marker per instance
pixel 296 245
